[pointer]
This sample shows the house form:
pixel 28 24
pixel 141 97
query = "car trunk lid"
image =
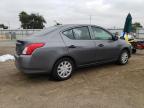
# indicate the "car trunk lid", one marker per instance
pixel 20 45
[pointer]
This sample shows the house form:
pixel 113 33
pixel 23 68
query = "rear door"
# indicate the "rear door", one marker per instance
pixel 80 45
pixel 106 47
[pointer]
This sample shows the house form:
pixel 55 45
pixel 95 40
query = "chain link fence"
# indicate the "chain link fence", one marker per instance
pixel 16 34
pixel 139 33
pixel 21 34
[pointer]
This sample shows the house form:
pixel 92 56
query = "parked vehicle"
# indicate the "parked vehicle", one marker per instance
pixel 136 43
pixel 58 50
pixel 140 44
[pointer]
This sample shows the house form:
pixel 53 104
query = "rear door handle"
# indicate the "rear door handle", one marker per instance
pixel 72 46
pixel 101 45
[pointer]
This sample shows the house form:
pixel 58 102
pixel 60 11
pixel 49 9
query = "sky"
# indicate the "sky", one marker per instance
pixel 105 13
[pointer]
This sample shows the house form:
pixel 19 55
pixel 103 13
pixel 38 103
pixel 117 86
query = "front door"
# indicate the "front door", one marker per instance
pixel 107 48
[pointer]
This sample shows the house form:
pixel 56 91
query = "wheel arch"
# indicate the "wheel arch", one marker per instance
pixel 66 56
pixel 127 49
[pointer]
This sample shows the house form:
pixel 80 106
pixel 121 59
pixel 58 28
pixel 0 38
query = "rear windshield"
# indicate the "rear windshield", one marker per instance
pixel 46 30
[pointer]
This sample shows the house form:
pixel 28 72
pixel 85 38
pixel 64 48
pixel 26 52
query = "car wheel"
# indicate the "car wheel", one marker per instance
pixel 63 69
pixel 124 57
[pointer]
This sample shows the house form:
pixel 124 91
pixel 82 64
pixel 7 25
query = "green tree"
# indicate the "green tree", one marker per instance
pixel 24 19
pixel 3 26
pixel 32 21
pixel 135 26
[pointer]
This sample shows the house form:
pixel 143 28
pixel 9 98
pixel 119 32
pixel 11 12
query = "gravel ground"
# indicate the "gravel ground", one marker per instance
pixel 105 86
pixel 7 43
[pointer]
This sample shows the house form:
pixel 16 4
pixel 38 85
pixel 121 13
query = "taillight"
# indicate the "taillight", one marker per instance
pixel 29 49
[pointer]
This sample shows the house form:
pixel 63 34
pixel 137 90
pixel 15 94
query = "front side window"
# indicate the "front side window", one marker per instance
pixel 100 34
pixel 81 33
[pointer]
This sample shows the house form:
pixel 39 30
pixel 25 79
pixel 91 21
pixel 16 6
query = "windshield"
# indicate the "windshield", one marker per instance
pixel 45 31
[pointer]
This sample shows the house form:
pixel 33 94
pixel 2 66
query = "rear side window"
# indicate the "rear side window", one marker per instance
pixel 81 33
pixel 69 34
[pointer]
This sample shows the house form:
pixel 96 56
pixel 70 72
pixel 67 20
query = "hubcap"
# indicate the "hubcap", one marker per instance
pixel 124 58
pixel 64 69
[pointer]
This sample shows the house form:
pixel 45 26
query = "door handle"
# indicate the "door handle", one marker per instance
pixel 72 46
pixel 101 45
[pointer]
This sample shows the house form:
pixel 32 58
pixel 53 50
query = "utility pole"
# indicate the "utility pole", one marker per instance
pixel 90 18
pixel 8 25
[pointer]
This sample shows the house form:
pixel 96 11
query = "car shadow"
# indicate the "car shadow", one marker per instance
pixel 78 71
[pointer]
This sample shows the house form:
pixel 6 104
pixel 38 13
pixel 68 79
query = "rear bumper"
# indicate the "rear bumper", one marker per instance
pixel 25 65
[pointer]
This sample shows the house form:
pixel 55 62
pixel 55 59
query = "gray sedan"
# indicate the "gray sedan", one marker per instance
pixel 58 50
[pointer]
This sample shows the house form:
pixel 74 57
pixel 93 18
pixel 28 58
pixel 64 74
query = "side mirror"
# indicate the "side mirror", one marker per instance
pixel 115 38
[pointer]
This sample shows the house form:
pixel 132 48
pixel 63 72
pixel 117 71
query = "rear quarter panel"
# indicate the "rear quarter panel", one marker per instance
pixel 46 56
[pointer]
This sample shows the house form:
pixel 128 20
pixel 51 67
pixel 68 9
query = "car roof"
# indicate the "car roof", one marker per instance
pixel 65 26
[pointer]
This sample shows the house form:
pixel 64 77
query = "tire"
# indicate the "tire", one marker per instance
pixel 123 58
pixel 63 69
